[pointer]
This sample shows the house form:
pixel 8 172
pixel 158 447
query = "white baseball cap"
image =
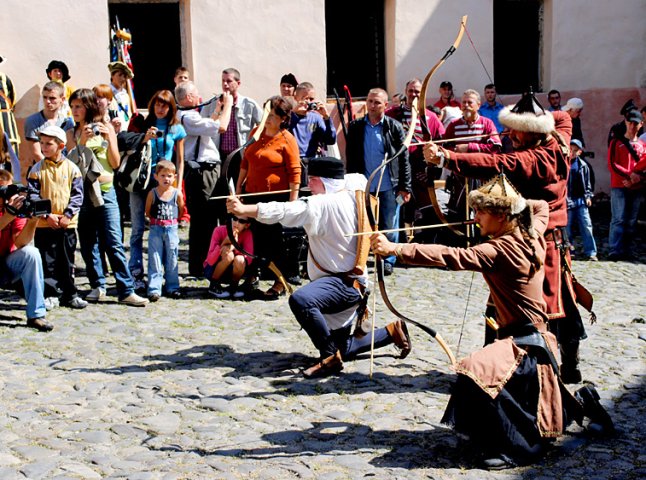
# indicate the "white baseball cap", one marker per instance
pixel 54 131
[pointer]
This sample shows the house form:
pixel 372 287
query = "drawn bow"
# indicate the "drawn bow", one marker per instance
pixel 225 170
pixel 422 96
pixel 379 261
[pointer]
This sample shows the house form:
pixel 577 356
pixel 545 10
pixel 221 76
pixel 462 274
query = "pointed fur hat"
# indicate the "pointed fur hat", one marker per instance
pixel 498 193
pixel 527 116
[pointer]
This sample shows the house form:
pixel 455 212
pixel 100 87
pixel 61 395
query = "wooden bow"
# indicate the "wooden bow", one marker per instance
pixel 422 96
pixel 379 261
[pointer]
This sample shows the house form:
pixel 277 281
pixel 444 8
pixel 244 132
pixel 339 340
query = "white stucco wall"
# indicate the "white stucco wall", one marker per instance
pixel 425 30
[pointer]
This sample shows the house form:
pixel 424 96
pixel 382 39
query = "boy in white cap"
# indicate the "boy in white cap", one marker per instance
pixel 56 178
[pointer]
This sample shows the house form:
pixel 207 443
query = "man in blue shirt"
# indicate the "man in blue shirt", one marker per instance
pixel 310 122
pixel 491 108
pixel 370 140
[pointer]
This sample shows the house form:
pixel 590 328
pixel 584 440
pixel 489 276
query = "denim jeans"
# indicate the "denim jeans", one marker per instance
pixel 104 222
pixel 163 255
pixel 331 295
pixel 389 217
pixel 624 206
pixel 137 217
pixel 25 264
pixel 580 216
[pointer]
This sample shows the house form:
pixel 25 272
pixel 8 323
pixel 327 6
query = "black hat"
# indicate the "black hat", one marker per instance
pixel 290 79
pixel 446 84
pixel 628 106
pixel 633 115
pixel 327 167
pixel 61 66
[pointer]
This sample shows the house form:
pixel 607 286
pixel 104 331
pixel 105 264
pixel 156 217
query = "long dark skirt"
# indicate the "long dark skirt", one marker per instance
pixel 504 426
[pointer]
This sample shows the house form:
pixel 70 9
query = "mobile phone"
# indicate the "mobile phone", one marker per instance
pixel 400 200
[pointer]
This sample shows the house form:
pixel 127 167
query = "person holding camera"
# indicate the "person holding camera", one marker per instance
pixel 92 142
pixel 310 122
pixel 19 259
pixel 58 179
pixel 579 199
pixel 166 136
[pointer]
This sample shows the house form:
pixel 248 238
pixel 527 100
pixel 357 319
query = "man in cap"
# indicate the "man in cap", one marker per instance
pixel 490 401
pixel 447 98
pixel 120 73
pixel 579 199
pixel 327 306
pixel 288 84
pixel 626 162
pixel 539 168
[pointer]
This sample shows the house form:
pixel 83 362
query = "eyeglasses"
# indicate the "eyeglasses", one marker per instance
pixel 241 220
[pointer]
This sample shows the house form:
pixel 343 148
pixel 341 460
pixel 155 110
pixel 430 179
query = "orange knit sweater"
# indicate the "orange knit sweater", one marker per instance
pixel 272 163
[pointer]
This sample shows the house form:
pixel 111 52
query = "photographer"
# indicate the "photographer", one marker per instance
pixel 19 259
pixel 579 199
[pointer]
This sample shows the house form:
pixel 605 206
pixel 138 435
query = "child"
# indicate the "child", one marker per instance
pixel 164 206
pixel 224 262
pixel 579 198
pixel 56 178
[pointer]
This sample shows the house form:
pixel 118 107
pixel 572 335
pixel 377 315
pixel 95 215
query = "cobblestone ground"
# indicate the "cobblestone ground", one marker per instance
pixel 200 388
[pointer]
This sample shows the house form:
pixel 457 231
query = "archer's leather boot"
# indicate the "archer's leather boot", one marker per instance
pixel 588 397
pixel 328 366
pixel 570 373
pixel 399 333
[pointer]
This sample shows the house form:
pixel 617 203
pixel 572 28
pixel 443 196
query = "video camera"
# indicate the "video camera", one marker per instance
pixel 32 206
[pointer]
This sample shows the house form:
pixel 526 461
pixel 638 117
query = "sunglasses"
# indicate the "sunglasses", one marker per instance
pixel 240 220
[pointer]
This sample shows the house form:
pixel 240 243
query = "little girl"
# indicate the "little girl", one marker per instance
pixel 224 263
pixel 164 206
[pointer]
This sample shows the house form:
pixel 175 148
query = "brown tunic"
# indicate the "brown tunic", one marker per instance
pixel 517 297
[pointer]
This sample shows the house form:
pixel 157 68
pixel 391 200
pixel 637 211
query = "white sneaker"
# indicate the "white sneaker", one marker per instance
pixel 97 294
pixel 51 303
pixel 134 300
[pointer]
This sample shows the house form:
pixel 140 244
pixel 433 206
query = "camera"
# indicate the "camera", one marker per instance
pixel 159 134
pixel 95 129
pixel 587 154
pixel 113 114
pixel 312 106
pixel 32 205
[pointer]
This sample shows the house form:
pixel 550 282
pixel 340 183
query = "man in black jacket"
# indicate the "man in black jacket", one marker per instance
pixel 370 140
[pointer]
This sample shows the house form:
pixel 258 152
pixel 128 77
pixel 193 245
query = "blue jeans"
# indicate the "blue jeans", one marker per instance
pixel 389 217
pixel 624 206
pixel 580 216
pixel 26 264
pixel 104 222
pixel 331 295
pixel 137 217
pixel 163 255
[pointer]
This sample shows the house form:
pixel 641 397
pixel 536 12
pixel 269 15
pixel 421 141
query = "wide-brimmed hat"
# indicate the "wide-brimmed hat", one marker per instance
pixel 528 115
pixel 118 65
pixel 61 66
pixel 498 194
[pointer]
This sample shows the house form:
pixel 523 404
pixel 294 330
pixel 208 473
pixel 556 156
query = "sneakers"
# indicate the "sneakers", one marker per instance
pixel 216 290
pixel 175 295
pixel 97 294
pixel 153 297
pixel 236 293
pixel 77 303
pixel 51 303
pixel 40 324
pixel 134 300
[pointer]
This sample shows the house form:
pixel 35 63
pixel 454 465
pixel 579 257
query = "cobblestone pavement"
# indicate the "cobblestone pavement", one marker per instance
pixel 200 388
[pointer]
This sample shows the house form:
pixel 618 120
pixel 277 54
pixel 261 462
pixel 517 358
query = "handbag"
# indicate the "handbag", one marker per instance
pixel 135 170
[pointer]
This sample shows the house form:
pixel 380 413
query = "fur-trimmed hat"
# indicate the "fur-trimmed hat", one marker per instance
pixel 61 66
pixel 527 116
pixel 499 194
pixel 114 66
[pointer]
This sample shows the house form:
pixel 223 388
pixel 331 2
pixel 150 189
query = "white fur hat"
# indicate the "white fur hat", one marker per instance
pixel 527 116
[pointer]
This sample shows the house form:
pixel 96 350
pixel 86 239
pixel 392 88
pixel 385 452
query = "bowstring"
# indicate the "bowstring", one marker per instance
pixel 464 317
pixel 477 53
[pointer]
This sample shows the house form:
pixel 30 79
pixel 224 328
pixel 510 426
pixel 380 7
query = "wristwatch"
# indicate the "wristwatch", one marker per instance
pixel 442 157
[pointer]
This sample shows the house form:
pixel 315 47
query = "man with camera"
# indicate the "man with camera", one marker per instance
pixel 310 123
pixel 19 260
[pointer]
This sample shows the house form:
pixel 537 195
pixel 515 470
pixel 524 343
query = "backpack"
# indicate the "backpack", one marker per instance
pixel 135 169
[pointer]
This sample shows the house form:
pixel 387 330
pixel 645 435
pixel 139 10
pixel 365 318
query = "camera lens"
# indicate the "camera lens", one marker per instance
pixel 312 106
pixel 159 133
pixel 96 130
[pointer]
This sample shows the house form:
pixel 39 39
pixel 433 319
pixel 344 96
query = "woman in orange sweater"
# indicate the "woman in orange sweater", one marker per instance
pixel 271 164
